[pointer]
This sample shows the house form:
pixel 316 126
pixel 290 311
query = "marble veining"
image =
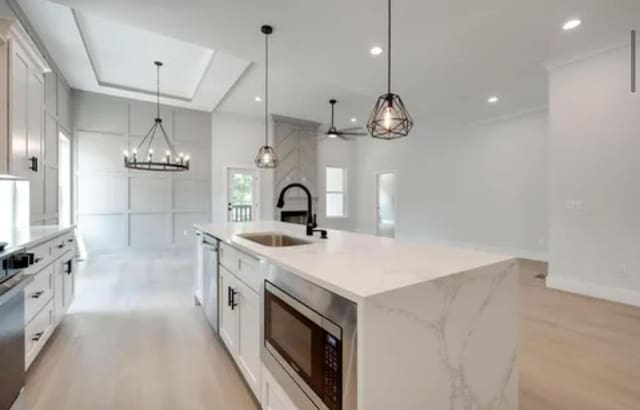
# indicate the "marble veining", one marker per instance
pixel 466 328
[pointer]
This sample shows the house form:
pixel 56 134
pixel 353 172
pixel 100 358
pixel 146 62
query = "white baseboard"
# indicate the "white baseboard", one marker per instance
pixel 595 290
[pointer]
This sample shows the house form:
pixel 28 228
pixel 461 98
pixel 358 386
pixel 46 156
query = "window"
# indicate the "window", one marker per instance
pixel 336 192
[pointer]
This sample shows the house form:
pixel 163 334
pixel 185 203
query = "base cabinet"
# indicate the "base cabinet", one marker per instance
pixel 273 397
pixel 49 295
pixel 240 326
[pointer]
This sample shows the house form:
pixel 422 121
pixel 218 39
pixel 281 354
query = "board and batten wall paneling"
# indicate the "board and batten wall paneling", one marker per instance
pixel 57 100
pixel 119 209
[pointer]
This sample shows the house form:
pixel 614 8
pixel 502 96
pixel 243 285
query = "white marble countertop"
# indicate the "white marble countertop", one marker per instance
pixel 354 265
pixel 17 238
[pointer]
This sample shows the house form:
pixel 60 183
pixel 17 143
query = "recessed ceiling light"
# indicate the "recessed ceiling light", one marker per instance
pixel 376 51
pixel 493 99
pixel 571 24
pixel 258 99
pixel 354 119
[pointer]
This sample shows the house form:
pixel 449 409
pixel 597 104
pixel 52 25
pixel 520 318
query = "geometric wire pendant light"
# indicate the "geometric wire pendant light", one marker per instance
pixel 171 161
pixel 390 118
pixel 266 157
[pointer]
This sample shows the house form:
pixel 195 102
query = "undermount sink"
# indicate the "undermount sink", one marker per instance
pixel 273 239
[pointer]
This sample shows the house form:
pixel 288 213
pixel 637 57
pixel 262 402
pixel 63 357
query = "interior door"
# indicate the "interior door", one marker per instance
pixel 386 204
pixel 242 195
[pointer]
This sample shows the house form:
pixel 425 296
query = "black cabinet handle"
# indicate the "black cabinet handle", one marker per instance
pixel 37 336
pixel 33 164
pixel 37 260
pixel 229 296
pixel 68 267
pixel 233 298
pixel 70 240
pixel 61 246
pixel 36 295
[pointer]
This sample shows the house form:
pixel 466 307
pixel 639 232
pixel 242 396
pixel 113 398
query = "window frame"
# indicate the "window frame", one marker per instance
pixel 345 212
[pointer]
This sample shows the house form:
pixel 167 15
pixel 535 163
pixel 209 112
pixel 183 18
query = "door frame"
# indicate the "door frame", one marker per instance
pixel 376 198
pixel 225 186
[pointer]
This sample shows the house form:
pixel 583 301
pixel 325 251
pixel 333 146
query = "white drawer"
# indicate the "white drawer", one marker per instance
pixel 244 266
pixel 38 292
pixel 41 256
pixel 248 271
pixel 62 244
pixel 227 256
pixel 37 332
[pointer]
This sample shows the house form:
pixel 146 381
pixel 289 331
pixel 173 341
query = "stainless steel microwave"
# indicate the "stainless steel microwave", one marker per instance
pixel 310 336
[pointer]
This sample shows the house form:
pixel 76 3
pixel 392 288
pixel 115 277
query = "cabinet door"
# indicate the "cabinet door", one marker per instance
pixel 19 111
pixel 69 282
pixel 273 397
pixel 249 335
pixel 35 117
pixel 58 292
pixel 228 314
pixel 199 270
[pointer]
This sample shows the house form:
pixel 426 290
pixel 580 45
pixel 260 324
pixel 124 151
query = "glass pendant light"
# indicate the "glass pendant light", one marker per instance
pixel 266 157
pixel 141 158
pixel 390 118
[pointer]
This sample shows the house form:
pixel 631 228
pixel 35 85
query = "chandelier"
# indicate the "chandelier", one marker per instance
pixel 141 157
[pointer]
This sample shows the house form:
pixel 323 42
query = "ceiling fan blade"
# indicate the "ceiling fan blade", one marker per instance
pixel 354 134
pixel 344 137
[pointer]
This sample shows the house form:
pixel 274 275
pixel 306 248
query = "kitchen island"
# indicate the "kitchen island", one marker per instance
pixel 436 326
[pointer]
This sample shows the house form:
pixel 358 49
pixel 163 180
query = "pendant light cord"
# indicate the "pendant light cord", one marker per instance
pixel 157 90
pixel 266 90
pixel 389 48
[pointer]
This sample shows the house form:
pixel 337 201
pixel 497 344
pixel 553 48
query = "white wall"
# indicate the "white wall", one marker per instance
pixel 235 142
pixel 119 208
pixel 595 159
pixel 482 186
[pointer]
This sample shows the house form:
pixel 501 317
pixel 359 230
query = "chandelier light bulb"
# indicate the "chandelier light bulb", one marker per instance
pixel 126 153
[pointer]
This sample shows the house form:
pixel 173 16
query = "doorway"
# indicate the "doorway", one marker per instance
pixel 242 195
pixel 386 204
pixel 64 179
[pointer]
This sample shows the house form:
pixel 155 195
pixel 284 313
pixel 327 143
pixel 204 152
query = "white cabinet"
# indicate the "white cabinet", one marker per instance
pixel 228 317
pixel 240 325
pixel 273 396
pixel 22 112
pixel 248 316
pixel 49 295
pixel 64 285
pixel 198 273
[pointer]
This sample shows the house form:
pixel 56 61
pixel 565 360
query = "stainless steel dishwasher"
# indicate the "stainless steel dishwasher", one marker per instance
pixel 210 279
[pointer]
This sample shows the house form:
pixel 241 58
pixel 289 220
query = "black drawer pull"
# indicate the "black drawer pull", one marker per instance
pixel 70 240
pixel 37 295
pixel 37 260
pixel 37 336
pixel 233 298
pixel 61 246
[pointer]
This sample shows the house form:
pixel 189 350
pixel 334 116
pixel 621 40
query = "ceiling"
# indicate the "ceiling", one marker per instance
pixel 103 55
pixel 449 55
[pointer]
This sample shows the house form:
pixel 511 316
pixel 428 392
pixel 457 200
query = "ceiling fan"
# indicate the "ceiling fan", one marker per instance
pixel 344 134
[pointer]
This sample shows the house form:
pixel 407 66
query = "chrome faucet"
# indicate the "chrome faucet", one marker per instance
pixel 311 217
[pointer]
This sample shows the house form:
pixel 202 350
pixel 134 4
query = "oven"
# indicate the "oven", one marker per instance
pixel 310 342
pixel 12 310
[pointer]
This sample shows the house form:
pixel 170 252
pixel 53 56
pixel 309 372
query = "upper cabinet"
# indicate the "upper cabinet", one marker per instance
pixel 22 118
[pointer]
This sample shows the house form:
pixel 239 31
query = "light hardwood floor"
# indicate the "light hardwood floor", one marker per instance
pixel 134 341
